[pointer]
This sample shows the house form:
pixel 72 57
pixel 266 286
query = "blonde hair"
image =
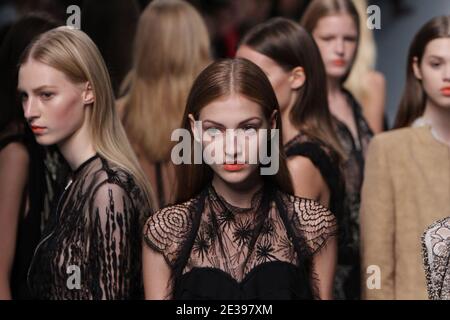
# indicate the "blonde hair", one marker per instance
pixel 72 52
pixel 171 48
pixel 366 56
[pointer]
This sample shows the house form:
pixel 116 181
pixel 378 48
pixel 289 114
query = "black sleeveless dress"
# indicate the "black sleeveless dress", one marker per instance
pixel 348 272
pixel 217 251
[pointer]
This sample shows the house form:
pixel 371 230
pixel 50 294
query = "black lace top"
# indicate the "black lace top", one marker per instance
pixel 92 248
pixel 436 255
pixel 348 272
pixel 218 251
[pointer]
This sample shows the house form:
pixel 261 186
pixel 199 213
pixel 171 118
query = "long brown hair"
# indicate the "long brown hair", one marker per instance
pixel 412 104
pixel 290 46
pixel 221 79
pixel 318 9
pixel 171 48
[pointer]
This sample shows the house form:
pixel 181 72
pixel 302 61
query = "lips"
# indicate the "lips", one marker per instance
pixel 446 91
pixel 339 62
pixel 233 167
pixel 37 129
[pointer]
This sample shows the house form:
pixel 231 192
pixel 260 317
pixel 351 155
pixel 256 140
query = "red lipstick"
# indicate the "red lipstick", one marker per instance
pixel 233 167
pixel 339 62
pixel 446 91
pixel 37 129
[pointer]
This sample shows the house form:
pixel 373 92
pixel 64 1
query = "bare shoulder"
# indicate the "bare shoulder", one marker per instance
pixel 303 166
pixel 374 79
pixel 15 153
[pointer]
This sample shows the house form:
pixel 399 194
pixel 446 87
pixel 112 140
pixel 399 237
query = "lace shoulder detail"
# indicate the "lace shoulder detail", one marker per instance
pixel 168 229
pixel 314 222
pixel 436 258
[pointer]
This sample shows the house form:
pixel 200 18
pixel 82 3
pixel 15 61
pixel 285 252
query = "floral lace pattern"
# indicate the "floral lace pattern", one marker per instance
pixel 208 232
pixel 96 230
pixel 436 255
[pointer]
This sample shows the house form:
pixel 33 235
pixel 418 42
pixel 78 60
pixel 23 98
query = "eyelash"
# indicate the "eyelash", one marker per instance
pixel 46 95
pixel 245 128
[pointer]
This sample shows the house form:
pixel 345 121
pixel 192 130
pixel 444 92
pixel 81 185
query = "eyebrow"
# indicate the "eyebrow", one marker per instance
pixel 240 123
pixel 40 88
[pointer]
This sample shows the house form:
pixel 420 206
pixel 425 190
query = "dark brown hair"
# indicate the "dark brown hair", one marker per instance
pixel 290 46
pixel 412 104
pixel 221 79
pixel 322 8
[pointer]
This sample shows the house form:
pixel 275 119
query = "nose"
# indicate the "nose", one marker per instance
pixel 233 144
pixel 447 73
pixel 30 109
pixel 339 46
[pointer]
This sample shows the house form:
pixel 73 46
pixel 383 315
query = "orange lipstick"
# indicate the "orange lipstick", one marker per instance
pixel 37 129
pixel 446 91
pixel 233 167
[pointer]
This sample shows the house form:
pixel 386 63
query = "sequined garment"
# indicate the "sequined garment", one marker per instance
pixel 436 254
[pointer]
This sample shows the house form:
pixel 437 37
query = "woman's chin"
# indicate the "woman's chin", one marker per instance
pixel 237 178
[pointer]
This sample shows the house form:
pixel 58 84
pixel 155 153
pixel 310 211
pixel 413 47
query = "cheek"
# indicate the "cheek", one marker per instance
pixel 430 81
pixel 65 112
pixel 324 48
pixel 350 50
pixel 281 87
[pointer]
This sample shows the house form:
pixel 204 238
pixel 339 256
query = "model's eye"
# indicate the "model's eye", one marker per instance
pixel 250 129
pixel 23 96
pixel 327 38
pixel 350 39
pixel 213 131
pixel 46 95
pixel 435 64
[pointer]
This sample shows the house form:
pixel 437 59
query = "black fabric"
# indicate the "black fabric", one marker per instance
pixel 348 274
pixel 268 281
pixel 218 251
pixel 96 228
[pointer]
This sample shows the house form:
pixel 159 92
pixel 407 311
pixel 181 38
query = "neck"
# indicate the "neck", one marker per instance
pixel 439 119
pixel 289 131
pixel 78 147
pixel 238 195
pixel 334 87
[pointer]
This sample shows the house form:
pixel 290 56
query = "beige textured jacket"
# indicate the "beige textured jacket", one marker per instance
pixel 406 188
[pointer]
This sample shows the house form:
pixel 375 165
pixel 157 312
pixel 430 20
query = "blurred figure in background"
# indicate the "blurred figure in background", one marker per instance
pixel 29 174
pixel 111 24
pixel 335 26
pixel 367 85
pixel 171 48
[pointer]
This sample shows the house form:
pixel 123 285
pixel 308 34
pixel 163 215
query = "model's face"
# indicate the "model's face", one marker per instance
pixel 53 106
pixel 278 77
pixel 434 72
pixel 237 149
pixel 336 37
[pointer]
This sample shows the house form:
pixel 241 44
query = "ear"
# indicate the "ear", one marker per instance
pixel 194 128
pixel 297 78
pixel 88 94
pixel 416 68
pixel 273 119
